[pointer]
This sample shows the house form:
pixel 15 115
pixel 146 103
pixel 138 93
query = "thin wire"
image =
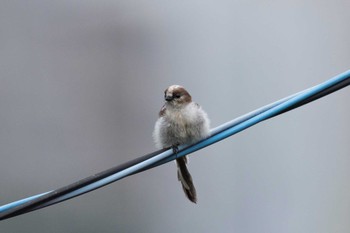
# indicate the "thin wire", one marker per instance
pixel 163 156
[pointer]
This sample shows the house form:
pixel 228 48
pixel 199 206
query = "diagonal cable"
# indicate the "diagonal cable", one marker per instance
pixel 163 156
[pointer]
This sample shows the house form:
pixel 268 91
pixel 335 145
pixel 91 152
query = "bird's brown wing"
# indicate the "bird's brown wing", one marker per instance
pixel 162 111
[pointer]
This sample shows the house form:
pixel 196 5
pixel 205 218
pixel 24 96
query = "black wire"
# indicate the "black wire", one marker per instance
pixel 325 92
pixel 34 204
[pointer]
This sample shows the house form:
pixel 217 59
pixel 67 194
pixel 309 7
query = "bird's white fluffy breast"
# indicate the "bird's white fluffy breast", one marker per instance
pixel 181 126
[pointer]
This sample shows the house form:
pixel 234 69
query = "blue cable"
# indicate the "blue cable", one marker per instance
pixel 219 133
pixel 124 173
pixel 20 202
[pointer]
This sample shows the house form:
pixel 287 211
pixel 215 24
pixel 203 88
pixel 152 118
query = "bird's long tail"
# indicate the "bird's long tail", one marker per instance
pixel 185 178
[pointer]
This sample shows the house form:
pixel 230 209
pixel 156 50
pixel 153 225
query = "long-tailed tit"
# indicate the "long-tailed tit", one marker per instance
pixel 181 121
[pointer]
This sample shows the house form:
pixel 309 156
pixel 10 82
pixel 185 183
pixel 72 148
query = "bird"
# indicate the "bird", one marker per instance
pixel 181 121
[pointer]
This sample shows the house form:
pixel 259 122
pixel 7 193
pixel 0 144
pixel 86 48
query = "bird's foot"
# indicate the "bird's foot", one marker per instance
pixel 175 148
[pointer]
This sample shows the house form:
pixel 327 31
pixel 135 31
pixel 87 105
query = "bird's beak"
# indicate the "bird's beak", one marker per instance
pixel 169 98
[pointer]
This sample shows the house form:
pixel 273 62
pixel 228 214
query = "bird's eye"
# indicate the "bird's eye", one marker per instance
pixel 177 96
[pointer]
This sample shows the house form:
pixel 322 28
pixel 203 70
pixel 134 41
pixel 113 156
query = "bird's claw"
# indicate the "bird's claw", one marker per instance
pixel 175 149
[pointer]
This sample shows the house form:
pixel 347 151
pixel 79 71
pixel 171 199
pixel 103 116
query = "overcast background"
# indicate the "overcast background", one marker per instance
pixel 81 84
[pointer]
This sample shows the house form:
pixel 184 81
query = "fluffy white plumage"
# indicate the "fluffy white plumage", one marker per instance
pixel 185 125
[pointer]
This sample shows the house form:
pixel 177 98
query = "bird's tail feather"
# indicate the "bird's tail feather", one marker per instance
pixel 185 178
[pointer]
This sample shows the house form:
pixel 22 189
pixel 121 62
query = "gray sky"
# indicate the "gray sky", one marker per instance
pixel 82 82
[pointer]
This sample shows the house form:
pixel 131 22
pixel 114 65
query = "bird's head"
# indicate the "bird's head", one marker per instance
pixel 177 96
